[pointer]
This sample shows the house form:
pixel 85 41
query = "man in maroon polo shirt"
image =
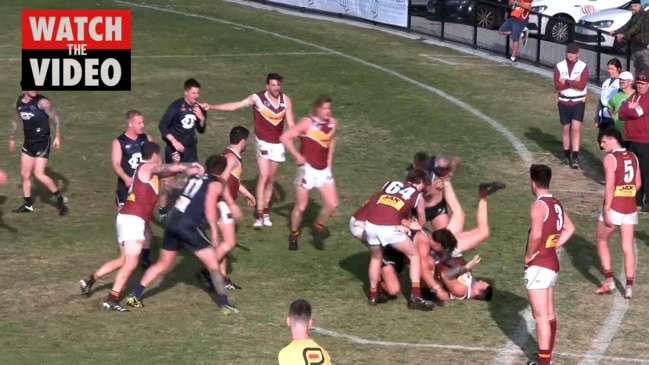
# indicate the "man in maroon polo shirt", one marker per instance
pixel 635 113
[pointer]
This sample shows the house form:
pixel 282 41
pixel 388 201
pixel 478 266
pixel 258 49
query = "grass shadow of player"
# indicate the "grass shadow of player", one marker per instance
pixel 279 194
pixel 584 258
pixel 3 225
pixel 357 264
pixel 43 194
pixel 641 236
pixel 310 215
pixel 591 165
pixel 506 310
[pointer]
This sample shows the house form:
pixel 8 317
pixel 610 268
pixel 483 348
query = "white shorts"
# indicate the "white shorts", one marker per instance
pixel 356 228
pixel 384 235
pixel 270 151
pixel 309 178
pixel 130 228
pixel 620 218
pixel 225 213
pixel 537 277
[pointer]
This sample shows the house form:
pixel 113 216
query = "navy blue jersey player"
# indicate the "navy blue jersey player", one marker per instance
pixel 179 124
pixel 197 204
pixel 126 153
pixel 35 112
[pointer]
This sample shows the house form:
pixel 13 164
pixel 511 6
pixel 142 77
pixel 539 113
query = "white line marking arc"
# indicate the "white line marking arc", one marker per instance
pixel 518 145
pixel 363 341
pixel 269 54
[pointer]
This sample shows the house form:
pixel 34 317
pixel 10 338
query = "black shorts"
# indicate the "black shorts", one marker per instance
pixel 568 113
pixel 190 154
pixel 393 257
pixel 436 210
pixel 37 148
pixel 179 236
pixel 121 193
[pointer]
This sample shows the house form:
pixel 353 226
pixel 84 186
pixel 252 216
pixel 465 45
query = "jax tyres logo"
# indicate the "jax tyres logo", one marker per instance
pixel 76 50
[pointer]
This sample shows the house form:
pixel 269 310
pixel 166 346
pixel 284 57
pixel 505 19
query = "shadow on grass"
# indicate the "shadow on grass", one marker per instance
pixel 506 310
pixel 3 225
pixel 591 165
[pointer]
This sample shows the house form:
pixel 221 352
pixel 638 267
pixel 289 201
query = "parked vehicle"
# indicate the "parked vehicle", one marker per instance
pixel 486 14
pixel 607 21
pixel 564 14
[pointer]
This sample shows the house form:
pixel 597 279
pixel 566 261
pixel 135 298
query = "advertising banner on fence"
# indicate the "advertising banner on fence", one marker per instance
pixel 392 12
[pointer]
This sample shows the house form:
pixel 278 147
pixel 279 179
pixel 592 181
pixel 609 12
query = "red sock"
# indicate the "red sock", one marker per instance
pixel 266 211
pixel 544 357
pixel 260 214
pixel 373 293
pixel 553 333
pixel 629 281
pixel 114 295
pixel 318 227
pixel 608 275
pixel 415 291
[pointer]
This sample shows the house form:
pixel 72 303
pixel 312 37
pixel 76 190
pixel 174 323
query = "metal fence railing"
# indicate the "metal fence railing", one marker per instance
pixel 475 23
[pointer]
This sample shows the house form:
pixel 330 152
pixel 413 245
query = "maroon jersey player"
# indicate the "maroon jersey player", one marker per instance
pixel 550 229
pixel 132 222
pixel 383 227
pixel 271 108
pixel 623 180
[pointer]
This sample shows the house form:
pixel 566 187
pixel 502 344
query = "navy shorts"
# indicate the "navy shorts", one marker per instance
pixel 190 154
pixel 515 26
pixel 568 113
pixel 184 236
pixel 38 148
pixel 393 257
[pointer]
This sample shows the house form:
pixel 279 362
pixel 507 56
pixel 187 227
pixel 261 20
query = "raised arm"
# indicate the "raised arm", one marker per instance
pixel 230 107
pixel 165 170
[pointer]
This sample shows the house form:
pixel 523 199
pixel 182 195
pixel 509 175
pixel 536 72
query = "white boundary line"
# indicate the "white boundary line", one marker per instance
pixel 521 335
pixel 216 55
pixel 363 341
pixel 610 327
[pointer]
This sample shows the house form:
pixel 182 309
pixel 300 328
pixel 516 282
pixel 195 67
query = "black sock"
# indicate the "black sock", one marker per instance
pixel 146 253
pixel 28 201
pixel 57 194
pixel 566 153
pixel 575 155
pixel 163 210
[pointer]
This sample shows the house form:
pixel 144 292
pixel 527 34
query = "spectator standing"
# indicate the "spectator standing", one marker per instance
pixel 615 101
pixel 516 24
pixel 635 114
pixel 636 32
pixel 570 80
pixel 610 87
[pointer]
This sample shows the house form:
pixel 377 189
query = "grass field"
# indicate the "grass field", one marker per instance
pixel 384 118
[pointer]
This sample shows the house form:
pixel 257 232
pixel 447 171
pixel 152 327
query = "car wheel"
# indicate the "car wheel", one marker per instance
pixel 486 17
pixel 559 30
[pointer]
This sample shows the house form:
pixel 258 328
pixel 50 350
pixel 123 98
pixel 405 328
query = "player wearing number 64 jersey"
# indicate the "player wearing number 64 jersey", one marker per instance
pixel 621 169
pixel 389 207
pixel 550 229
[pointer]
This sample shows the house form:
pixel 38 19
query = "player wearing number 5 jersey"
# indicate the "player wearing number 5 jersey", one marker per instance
pixel 622 172
pixel 550 229
pixel 383 227
pixel 197 204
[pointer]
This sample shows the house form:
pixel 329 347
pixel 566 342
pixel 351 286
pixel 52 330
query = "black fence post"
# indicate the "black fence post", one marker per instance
pixel 475 26
pixel 539 38
pixel 409 25
pixel 443 20
pixel 628 56
pixel 598 74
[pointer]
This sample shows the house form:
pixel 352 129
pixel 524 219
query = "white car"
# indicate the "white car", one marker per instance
pixel 607 21
pixel 564 14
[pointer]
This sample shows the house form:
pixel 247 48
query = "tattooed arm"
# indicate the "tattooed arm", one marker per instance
pixel 51 112
pixel 15 121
